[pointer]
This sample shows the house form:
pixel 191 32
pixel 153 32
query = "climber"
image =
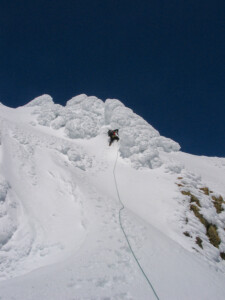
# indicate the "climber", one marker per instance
pixel 114 135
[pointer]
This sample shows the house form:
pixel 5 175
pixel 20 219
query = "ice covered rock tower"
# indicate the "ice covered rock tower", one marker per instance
pixel 86 117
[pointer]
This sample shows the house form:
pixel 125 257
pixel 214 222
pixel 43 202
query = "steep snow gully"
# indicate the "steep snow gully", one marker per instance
pixel 81 220
pixel 124 232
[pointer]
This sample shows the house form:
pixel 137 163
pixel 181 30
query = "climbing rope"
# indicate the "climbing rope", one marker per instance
pixel 125 235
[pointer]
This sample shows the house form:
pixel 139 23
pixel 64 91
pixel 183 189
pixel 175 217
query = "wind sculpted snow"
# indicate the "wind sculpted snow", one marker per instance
pixel 60 235
pixel 84 117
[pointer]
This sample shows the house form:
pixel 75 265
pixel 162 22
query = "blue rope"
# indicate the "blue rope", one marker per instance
pixel 125 235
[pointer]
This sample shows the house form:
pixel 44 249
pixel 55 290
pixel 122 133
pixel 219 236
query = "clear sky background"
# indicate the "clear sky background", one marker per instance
pixel 165 59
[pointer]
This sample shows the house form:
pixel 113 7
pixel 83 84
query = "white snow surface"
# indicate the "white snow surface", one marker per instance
pixel 60 235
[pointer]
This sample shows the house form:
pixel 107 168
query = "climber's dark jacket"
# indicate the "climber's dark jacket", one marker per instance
pixel 114 135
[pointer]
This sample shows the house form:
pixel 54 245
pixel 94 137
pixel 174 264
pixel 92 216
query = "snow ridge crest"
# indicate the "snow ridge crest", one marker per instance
pixel 85 117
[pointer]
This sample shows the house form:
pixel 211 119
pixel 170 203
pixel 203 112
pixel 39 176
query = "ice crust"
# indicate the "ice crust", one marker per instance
pixel 86 117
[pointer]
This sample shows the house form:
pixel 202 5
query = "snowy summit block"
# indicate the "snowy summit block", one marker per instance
pixel 87 103
pixel 110 106
pixel 139 141
pixel 84 116
pixel 76 100
pixel 40 101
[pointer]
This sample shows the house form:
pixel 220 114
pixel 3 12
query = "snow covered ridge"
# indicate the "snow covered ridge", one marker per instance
pixel 86 117
pixel 60 231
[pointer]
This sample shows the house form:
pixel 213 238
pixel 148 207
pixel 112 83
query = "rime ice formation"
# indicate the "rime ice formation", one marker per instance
pixel 60 232
pixel 84 117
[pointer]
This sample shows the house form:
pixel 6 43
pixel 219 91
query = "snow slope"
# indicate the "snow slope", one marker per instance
pixel 60 231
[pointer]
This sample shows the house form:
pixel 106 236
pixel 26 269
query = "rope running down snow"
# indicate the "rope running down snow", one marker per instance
pixel 125 235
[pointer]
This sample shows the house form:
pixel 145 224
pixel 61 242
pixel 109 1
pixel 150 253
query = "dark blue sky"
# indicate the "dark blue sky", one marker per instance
pixel 163 59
